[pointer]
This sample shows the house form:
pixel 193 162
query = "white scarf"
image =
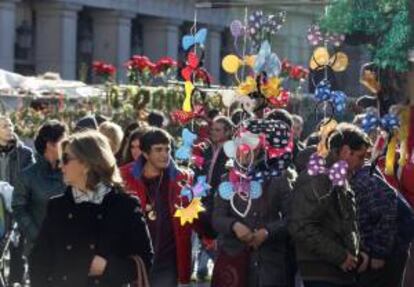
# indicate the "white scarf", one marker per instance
pixel 95 196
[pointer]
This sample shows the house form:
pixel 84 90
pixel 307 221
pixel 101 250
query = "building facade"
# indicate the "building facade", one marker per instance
pixel 66 36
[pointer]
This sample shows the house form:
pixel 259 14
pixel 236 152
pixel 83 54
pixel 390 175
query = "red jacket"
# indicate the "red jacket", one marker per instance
pixel 131 174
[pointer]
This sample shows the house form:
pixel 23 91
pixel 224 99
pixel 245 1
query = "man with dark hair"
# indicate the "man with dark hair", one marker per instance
pixel 156 119
pixel 156 180
pixel 14 154
pixel 39 182
pixel 14 157
pixel 281 115
pixel 377 214
pixel 322 219
pixel 90 122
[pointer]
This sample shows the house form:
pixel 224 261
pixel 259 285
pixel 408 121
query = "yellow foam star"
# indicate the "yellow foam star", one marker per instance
pixel 189 213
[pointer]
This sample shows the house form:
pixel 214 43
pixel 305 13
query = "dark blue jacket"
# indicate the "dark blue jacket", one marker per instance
pixel 376 212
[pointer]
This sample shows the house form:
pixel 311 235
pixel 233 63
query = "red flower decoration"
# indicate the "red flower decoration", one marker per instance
pixel 294 71
pixel 139 63
pixel 103 69
pixel 185 117
pixel 165 63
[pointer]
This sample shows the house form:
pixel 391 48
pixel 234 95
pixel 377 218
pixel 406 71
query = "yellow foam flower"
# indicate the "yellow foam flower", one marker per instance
pixel 272 87
pixel 190 213
pixel 247 86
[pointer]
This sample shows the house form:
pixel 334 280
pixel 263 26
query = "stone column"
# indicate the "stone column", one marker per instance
pixel 7 34
pixel 56 28
pixel 213 53
pixel 112 38
pixel 161 37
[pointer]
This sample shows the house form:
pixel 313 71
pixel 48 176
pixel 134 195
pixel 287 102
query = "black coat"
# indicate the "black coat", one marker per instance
pixel 72 234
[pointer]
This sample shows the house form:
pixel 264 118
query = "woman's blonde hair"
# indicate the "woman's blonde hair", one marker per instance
pixel 114 134
pixel 93 150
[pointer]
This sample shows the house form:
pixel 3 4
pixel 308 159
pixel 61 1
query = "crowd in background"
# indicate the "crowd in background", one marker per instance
pixel 96 208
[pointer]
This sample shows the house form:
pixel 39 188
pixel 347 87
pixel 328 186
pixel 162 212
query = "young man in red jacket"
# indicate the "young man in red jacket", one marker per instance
pixel 155 179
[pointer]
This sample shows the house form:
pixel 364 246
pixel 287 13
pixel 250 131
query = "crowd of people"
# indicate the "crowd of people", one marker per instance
pixel 97 207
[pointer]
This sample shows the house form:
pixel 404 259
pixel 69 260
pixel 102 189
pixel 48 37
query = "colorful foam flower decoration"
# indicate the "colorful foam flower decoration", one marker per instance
pixel 247 87
pixel 294 72
pixel 193 70
pixel 267 62
pixel 281 100
pixel 271 88
pixel 323 93
pixel 232 63
pixel 199 38
pixel 190 213
pixel 321 59
pixel 316 37
pixel 389 122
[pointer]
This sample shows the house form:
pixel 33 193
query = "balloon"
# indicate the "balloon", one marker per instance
pixel 236 28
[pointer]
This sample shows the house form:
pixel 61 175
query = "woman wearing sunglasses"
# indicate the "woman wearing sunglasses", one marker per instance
pixel 94 234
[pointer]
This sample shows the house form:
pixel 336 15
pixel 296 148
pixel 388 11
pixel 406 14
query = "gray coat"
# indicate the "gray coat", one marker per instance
pixel 32 192
pixel 268 266
pixel 14 160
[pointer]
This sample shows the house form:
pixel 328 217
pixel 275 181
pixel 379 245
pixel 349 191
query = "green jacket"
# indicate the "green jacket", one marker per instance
pixel 323 226
pixel 35 186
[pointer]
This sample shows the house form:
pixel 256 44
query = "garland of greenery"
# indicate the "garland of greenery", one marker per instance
pixel 132 103
pixel 384 25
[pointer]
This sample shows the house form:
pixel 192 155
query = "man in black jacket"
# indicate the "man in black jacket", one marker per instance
pixel 322 221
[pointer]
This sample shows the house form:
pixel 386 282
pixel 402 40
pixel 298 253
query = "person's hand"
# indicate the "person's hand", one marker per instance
pixel 350 263
pixel 259 237
pixel 98 266
pixel 365 262
pixel 243 233
pixel 377 264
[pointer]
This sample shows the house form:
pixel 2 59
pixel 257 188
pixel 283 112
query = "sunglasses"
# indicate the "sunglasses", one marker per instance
pixel 66 158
